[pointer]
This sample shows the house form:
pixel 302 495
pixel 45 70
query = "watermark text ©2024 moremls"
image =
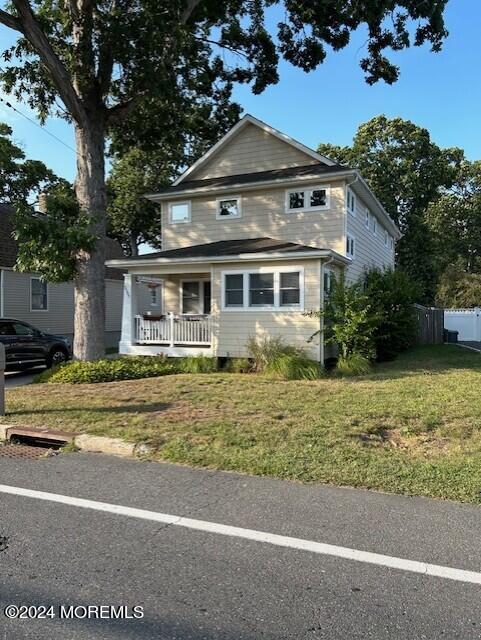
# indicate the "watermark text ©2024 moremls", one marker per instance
pixel 74 612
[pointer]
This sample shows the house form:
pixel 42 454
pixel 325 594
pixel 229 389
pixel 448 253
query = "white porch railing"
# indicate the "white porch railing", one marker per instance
pixel 174 330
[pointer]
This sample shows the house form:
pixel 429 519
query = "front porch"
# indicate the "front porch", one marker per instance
pixel 168 313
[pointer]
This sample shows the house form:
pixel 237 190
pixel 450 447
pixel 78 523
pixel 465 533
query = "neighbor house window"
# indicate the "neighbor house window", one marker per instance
pixel 391 243
pixel 261 290
pixel 386 238
pixel 350 245
pixel 311 199
pixel 251 290
pixel 374 225
pixel 179 212
pixel 38 295
pixel 234 290
pixel 367 218
pixel 229 208
pixel 351 202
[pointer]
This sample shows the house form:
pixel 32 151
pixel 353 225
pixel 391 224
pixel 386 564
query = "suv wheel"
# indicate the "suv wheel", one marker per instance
pixel 57 356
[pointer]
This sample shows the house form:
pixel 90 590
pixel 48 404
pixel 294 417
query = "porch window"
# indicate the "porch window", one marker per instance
pixel 38 295
pixel 257 290
pixel 261 289
pixel 154 296
pixel 289 288
pixel 234 290
pixel 191 300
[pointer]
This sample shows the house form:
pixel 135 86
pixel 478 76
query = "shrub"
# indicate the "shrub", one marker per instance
pixel 294 367
pixel 391 297
pixel 238 365
pixel 198 364
pixel 265 350
pixel 354 364
pixel 128 368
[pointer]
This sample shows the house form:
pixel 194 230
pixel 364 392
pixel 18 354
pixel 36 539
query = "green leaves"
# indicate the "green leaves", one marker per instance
pixel 49 242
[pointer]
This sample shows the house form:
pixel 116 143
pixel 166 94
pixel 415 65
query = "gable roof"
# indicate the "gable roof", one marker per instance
pixel 9 248
pixel 231 250
pixel 243 122
pixel 307 171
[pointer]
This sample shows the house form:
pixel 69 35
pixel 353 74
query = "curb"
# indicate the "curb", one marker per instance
pixel 83 442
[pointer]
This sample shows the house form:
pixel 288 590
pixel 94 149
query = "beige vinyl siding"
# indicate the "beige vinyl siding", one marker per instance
pixel 370 250
pixel 59 318
pixel 263 214
pixel 232 329
pixel 252 150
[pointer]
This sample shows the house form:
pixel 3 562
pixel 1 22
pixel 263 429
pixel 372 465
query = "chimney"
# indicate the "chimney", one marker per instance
pixel 42 202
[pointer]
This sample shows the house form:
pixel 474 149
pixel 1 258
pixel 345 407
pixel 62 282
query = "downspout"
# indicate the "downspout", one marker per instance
pixel 321 317
pixel 2 293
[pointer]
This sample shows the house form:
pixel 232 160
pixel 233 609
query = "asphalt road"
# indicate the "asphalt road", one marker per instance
pixel 196 584
pixel 21 378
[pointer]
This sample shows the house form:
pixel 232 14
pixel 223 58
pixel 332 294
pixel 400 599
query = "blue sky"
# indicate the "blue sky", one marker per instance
pixel 440 91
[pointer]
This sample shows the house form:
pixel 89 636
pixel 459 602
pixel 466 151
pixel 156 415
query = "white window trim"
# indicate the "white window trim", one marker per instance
pixel 276 307
pixel 201 282
pixel 307 191
pixel 350 236
pixel 32 278
pixel 374 225
pixel 353 196
pixel 189 206
pixel 239 208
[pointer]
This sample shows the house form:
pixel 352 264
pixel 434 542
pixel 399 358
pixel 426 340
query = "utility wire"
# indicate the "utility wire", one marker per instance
pixel 52 135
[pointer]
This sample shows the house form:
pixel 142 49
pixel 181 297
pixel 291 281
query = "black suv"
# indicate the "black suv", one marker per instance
pixel 27 347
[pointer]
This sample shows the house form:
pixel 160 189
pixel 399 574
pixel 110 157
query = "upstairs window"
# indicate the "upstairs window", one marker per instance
pixel 38 295
pixel 386 238
pixel 229 208
pixel 374 225
pixel 350 245
pixel 311 199
pixel 351 202
pixel 391 243
pixel 179 212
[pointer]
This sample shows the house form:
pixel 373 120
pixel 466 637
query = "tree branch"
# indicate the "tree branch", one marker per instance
pixel 39 41
pixel 120 112
pixel 10 21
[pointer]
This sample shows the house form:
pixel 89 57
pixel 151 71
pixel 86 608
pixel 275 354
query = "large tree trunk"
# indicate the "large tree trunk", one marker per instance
pixel 89 324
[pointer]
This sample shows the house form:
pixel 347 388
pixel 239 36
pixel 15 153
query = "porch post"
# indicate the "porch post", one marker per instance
pixel 129 311
pixel 172 328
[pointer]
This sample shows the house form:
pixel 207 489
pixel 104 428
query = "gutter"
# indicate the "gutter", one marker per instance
pixel 242 257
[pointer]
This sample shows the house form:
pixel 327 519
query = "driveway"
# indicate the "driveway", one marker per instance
pixel 212 555
pixel 472 344
pixel 20 378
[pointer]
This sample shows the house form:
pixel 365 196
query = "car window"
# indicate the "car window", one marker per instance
pixel 22 329
pixel 6 329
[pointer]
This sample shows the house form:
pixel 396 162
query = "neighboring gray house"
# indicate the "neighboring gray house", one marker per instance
pixel 48 306
pixel 251 234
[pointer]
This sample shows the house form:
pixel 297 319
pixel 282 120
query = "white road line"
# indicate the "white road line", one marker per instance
pixel 321 548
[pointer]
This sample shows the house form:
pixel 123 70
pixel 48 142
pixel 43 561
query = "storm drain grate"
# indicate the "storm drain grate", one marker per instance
pixel 25 451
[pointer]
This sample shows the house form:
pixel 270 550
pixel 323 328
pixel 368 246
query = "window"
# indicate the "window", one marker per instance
pixel 6 329
pixel 280 289
pixel 229 208
pixel 350 245
pixel 374 225
pixel 179 212
pixel 367 219
pixel 328 278
pixel 261 290
pixel 154 296
pixel 351 202
pixel 234 290
pixel 391 243
pixel 191 297
pixel 289 289
pixel 38 295
pixel 20 329
pixel 386 238
pixel 312 199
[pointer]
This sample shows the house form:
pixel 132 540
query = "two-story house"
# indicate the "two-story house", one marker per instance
pixel 251 234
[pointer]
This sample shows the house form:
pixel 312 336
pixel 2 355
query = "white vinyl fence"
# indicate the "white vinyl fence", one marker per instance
pixel 466 321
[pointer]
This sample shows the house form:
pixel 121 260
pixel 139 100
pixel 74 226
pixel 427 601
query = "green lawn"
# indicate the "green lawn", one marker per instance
pixel 414 426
